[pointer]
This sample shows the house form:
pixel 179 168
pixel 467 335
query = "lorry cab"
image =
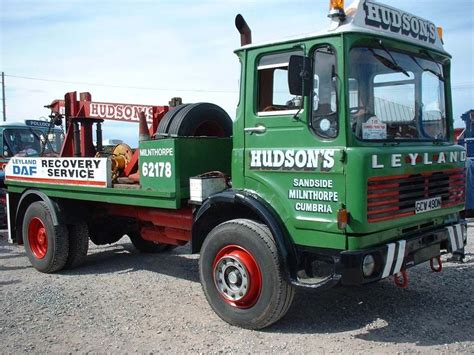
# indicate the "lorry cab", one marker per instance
pixel 361 149
pixel 29 138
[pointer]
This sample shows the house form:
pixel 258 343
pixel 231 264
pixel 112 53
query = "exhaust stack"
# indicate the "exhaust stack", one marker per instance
pixel 244 30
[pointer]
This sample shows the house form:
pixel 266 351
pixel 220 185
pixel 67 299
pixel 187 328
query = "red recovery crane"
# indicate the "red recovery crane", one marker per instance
pixel 80 116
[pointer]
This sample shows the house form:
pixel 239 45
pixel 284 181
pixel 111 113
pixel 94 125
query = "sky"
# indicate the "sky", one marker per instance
pixel 146 52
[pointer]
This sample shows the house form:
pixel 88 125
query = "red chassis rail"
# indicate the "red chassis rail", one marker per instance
pixel 157 224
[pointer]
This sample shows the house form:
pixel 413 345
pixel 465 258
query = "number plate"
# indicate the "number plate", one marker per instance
pixel 429 204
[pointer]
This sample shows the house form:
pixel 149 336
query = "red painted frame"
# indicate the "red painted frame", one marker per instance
pixel 79 111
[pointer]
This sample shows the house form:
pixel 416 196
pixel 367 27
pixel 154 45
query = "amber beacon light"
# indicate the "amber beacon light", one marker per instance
pixel 440 33
pixel 336 9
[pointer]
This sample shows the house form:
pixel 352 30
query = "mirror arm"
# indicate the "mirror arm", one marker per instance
pixel 303 73
pixel 303 77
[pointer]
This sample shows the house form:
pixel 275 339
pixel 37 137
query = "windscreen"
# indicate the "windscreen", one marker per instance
pixel 31 142
pixel 396 96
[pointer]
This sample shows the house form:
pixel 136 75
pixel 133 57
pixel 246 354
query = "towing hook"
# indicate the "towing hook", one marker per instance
pixel 401 279
pixel 438 266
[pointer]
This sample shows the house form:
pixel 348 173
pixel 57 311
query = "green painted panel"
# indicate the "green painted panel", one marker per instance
pixel 363 163
pixel 319 239
pixel 158 170
pixel 167 164
pixel 385 236
pixel 133 197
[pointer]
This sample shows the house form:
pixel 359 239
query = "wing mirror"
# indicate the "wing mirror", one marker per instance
pixel 299 75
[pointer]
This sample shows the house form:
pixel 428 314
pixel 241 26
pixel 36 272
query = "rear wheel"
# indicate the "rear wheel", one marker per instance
pixel 46 245
pixel 78 244
pixel 146 246
pixel 241 275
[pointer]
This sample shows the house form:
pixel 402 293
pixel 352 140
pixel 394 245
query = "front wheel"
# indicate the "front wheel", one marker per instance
pixel 241 275
pixel 46 245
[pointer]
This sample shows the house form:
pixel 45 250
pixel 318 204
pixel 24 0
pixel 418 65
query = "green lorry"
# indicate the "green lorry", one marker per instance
pixel 340 169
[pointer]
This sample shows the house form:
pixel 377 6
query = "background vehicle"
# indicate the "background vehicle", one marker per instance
pixel 339 168
pixel 467 140
pixel 467 136
pixel 29 138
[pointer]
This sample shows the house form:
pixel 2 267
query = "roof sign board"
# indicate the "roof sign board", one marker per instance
pixel 120 112
pixel 372 15
pixel 39 124
pixel 374 18
pixel 398 22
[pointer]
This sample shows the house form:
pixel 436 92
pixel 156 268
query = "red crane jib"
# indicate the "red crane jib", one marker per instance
pixel 87 112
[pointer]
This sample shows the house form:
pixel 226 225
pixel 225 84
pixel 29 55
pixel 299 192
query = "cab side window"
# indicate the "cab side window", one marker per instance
pixel 324 120
pixel 273 93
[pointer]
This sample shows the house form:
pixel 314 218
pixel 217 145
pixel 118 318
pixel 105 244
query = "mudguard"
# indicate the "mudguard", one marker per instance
pixel 27 198
pixel 258 207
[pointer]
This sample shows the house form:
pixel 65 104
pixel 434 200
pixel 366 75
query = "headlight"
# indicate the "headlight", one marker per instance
pixel 368 265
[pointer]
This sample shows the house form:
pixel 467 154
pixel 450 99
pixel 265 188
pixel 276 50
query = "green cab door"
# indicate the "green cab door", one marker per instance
pixel 291 157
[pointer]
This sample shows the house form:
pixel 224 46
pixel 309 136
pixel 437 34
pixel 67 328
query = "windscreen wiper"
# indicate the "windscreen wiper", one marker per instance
pixel 438 75
pixel 391 64
pixel 434 60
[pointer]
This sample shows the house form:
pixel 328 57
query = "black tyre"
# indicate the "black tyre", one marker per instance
pixel 3 205
pixel 145 246
pixel 241 275
pixel 103 238
pixel 46 245
pixel 78 244
pixel 105 232
pixel 164 125
pixel 201 119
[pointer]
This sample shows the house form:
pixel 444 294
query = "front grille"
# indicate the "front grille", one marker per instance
pixel 390 197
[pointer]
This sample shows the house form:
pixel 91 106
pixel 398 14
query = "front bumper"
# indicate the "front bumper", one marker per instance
pixel 402 254
pixel 346 267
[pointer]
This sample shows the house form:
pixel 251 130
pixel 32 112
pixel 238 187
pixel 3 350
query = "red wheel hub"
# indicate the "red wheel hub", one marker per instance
pixel 237 276
pixel 37 238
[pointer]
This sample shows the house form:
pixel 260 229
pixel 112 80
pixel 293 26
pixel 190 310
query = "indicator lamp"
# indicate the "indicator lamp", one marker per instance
pixel 342 218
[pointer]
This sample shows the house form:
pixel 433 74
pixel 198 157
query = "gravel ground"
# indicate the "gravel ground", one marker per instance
pixel 121 301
